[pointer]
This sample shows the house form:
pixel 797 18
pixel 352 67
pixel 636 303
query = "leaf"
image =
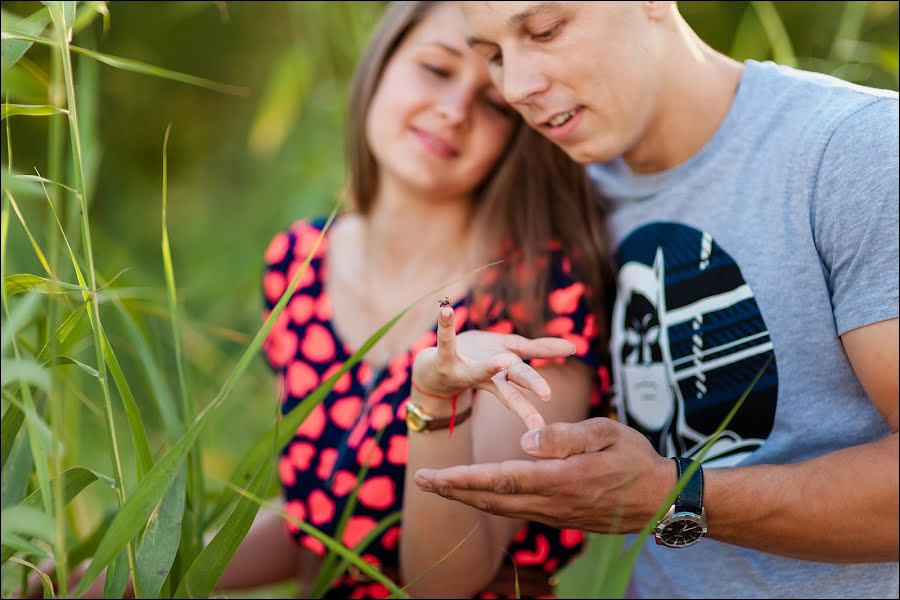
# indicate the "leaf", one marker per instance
pixel 26 282
pixel 616 585
pixel 200 579
pixel 20 544
pixel 29 521
pixel 331 544
pixel 12 422
pixel 68 360
pixel 29 110
pixel 160 541
pixel 45 579
pixel 20 316
pixel 132 413
pixel 13 50
pixel 134 513
pixel 157 380
pixel 133 66
pixel 117 577
pixel 25 371
pixel 75 480
pixel 779 40
pixel 358 549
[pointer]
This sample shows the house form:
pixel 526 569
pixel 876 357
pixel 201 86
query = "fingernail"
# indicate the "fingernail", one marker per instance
pixel 424 484
pixel 445 314
pixel 531 440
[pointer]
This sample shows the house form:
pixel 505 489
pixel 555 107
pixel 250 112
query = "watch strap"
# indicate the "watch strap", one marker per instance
pixel 433 423
pixel 691 497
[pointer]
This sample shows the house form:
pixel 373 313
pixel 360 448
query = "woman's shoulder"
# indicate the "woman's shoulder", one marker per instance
pixel 297 241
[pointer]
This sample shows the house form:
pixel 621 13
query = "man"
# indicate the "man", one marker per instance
pixel 755 222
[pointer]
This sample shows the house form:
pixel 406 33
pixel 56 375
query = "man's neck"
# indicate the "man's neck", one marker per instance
pixel 696 93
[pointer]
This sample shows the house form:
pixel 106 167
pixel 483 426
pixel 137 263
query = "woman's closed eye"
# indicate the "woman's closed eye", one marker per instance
pixel 436 70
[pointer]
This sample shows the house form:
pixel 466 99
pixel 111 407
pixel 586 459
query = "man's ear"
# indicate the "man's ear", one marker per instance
pixel 658 10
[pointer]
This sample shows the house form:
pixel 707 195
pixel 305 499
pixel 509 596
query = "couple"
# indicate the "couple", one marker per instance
pixel 750 213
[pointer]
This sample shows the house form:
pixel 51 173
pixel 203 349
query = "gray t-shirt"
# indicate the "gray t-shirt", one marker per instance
pixel 777 237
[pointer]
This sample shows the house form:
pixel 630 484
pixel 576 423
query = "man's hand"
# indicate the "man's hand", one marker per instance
pixel 596 475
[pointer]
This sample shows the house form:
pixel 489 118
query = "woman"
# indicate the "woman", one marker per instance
pixel 443 178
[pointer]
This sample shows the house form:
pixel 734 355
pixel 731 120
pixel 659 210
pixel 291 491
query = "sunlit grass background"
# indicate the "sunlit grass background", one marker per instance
pixel 241 166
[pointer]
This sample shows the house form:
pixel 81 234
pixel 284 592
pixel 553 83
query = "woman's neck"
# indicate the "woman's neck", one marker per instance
pixel 407 231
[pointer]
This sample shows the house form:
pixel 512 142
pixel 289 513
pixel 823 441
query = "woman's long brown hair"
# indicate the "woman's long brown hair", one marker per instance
pixel 534 197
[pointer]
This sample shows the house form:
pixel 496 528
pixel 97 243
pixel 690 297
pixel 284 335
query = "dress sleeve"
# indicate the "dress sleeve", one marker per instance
pixel 280 344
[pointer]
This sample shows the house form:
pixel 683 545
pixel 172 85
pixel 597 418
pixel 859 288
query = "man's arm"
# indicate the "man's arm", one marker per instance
pixel 840 507
pixel 603 476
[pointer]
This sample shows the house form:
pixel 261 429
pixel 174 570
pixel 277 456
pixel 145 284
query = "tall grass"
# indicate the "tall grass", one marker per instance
pixel 82 345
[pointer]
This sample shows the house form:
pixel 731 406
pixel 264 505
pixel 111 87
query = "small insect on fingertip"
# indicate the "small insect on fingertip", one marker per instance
pixel 445 302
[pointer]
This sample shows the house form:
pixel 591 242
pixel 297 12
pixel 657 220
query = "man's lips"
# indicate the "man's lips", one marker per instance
pixel 436 143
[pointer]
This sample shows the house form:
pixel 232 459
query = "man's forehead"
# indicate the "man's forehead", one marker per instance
pixel 510 14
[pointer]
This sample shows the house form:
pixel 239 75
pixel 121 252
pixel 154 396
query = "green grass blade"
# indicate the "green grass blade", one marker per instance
pixel 13 50
pixel 159 543
pixel 116 577
pixel 45 579
pixel 133 66
pixel 442 559
pixel 25 371
pixel 132 413
pixel 87 12
pixel 22 283
pixel 779 40
pixel 29 521
pixel 74 480
pixel 135 512
pixel 617 583
pixel 194 511
pixel 330 543
pixel 34 244
pixel 9 428
pixel 358 549
pixel 848 32
pixel 329 571
pixel 29 110
pixel 200 579
pixel 157 380
pixel 19 544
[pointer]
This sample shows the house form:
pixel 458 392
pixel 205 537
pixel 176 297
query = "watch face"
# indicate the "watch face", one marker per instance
pixel 681 532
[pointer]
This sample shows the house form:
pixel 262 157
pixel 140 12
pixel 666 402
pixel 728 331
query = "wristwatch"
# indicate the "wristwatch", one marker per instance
pixel 685 522
pixel 419 420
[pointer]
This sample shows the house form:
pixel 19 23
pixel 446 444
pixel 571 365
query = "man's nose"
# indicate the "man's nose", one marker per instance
pixel 521 81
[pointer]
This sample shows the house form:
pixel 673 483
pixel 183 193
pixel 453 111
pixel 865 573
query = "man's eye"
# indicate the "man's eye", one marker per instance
pixel 439 71
pixel 547 34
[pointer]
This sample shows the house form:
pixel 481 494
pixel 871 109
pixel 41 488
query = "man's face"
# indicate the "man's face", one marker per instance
pixel 584 74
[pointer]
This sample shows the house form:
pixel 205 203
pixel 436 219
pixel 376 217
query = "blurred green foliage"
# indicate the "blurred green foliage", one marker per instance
pixel 241 167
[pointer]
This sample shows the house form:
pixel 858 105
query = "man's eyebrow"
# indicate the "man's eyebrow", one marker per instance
pixel 516 20
pixel 520 17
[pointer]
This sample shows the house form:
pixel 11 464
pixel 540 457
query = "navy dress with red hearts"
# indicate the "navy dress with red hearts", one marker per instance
pixel 361 423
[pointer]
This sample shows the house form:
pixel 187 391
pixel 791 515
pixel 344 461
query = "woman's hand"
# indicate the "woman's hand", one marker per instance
pixel 488 361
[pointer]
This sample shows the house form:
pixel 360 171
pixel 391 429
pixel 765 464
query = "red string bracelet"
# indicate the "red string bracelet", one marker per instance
pixel 452 400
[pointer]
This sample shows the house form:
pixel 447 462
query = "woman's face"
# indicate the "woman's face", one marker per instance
pixel 436 123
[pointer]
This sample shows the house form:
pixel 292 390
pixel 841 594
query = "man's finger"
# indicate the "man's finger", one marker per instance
pixel 511 477
pixel 516 401
pixel 523 506
pixel 559 440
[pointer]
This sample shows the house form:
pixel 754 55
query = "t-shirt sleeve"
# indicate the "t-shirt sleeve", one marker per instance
pixel 855 208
